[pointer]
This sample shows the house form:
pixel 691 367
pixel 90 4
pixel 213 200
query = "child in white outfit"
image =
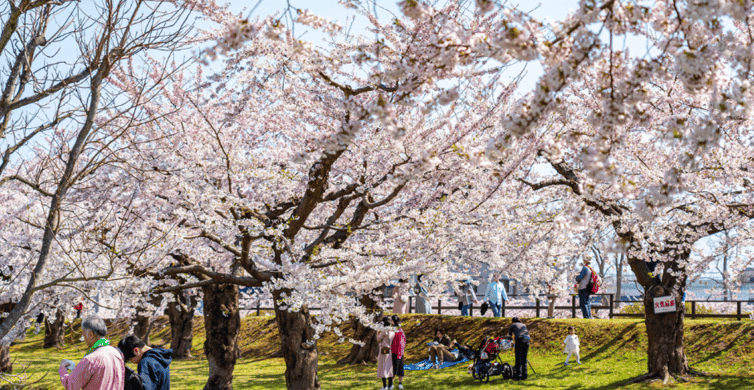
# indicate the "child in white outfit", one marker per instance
pixel 572 345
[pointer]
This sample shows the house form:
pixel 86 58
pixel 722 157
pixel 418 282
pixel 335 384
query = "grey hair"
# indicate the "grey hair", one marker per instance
pixel 95 324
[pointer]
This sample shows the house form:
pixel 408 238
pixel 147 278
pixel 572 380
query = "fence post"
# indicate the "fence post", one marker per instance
pixel 537 302
pixel 410 303
pixel 612 300
pixel 502 309
pixel 738 310
pixel 573 306
pixel 258 307
pixel 439 305
pixel 693 309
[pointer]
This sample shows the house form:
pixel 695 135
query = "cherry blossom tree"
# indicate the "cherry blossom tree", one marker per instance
pixel 55 209
pixel 659 198
pixel 315 171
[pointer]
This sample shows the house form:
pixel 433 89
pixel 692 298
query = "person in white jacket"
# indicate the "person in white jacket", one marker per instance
pixel 572 345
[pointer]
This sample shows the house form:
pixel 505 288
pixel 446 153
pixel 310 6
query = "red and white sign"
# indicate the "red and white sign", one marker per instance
pixel 664 304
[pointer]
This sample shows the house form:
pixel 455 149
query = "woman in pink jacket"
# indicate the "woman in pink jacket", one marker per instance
pixel 385 359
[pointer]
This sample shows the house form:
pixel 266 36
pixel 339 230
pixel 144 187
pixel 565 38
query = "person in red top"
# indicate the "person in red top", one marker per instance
pixel 397 348
pixel 79 308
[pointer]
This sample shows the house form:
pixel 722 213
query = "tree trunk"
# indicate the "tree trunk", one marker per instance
pixel 222 323
pixel 6 365
pixel 54 331
pixel 300 357
pixel 143 323
pixel 181 316
pixel 665 335
pixel 371 349
pixel 142 327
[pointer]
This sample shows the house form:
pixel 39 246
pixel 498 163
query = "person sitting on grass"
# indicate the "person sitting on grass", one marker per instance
pixel 153 363
pixel 439 350
pixel 464 350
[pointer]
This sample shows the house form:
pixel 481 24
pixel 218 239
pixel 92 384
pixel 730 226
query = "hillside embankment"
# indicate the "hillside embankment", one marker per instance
pixel 704 339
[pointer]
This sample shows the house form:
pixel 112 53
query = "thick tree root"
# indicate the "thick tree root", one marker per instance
pixel 643 378
pixel 665 376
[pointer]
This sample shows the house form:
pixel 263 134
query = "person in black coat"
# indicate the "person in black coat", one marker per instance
pixel 521 340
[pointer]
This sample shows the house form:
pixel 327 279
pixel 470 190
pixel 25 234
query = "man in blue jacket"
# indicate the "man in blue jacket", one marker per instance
pixel 153 363
pixel 496 295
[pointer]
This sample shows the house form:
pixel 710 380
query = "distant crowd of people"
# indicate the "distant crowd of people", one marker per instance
pixel 443 349
pixel 495 296
pixel 103 366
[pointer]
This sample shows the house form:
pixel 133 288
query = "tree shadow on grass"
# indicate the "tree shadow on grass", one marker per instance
pixel 717 382
pixel 616 342
pixel 720 350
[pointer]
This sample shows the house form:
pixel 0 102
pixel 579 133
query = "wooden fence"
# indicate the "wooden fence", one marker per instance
pixel 574 308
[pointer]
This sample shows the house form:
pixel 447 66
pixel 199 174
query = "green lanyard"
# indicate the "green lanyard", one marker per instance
pixel 99 343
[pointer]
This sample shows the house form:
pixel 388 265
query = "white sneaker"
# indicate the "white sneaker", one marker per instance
pixel 82 338
pixel 400 386
pixel 390 388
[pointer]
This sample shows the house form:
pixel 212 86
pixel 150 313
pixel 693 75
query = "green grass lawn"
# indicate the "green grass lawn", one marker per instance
pixel 612 352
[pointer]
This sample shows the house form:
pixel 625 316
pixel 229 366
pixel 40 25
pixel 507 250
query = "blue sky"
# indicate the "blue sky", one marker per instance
pixel 552 9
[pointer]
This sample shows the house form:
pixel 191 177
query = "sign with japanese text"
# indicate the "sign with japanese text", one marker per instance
pixel 664 304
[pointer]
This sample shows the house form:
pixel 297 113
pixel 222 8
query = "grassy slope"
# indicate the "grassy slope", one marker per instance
pixel 612 352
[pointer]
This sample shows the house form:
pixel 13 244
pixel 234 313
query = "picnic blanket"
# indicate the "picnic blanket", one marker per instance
pixel 426 364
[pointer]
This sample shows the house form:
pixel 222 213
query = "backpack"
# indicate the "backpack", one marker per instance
pixel 132 380
pixel 594 283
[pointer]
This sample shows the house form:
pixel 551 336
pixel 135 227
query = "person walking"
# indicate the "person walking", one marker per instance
pixel 397 348
pixel 521 341
pixel 400 297
pixel 496 295
pixel 581 282
pixel 103 366
pixel 153 364
pixel 572 345
pixel 468 297
pixel 422 299
pixel 385 358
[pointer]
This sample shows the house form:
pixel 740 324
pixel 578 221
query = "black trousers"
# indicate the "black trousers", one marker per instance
pixel 397 365
pixel 522 349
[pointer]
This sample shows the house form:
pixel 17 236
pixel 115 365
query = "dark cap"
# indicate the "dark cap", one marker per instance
pixel 515 319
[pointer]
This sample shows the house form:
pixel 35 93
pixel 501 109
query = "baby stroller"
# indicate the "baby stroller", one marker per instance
pixel 487 361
